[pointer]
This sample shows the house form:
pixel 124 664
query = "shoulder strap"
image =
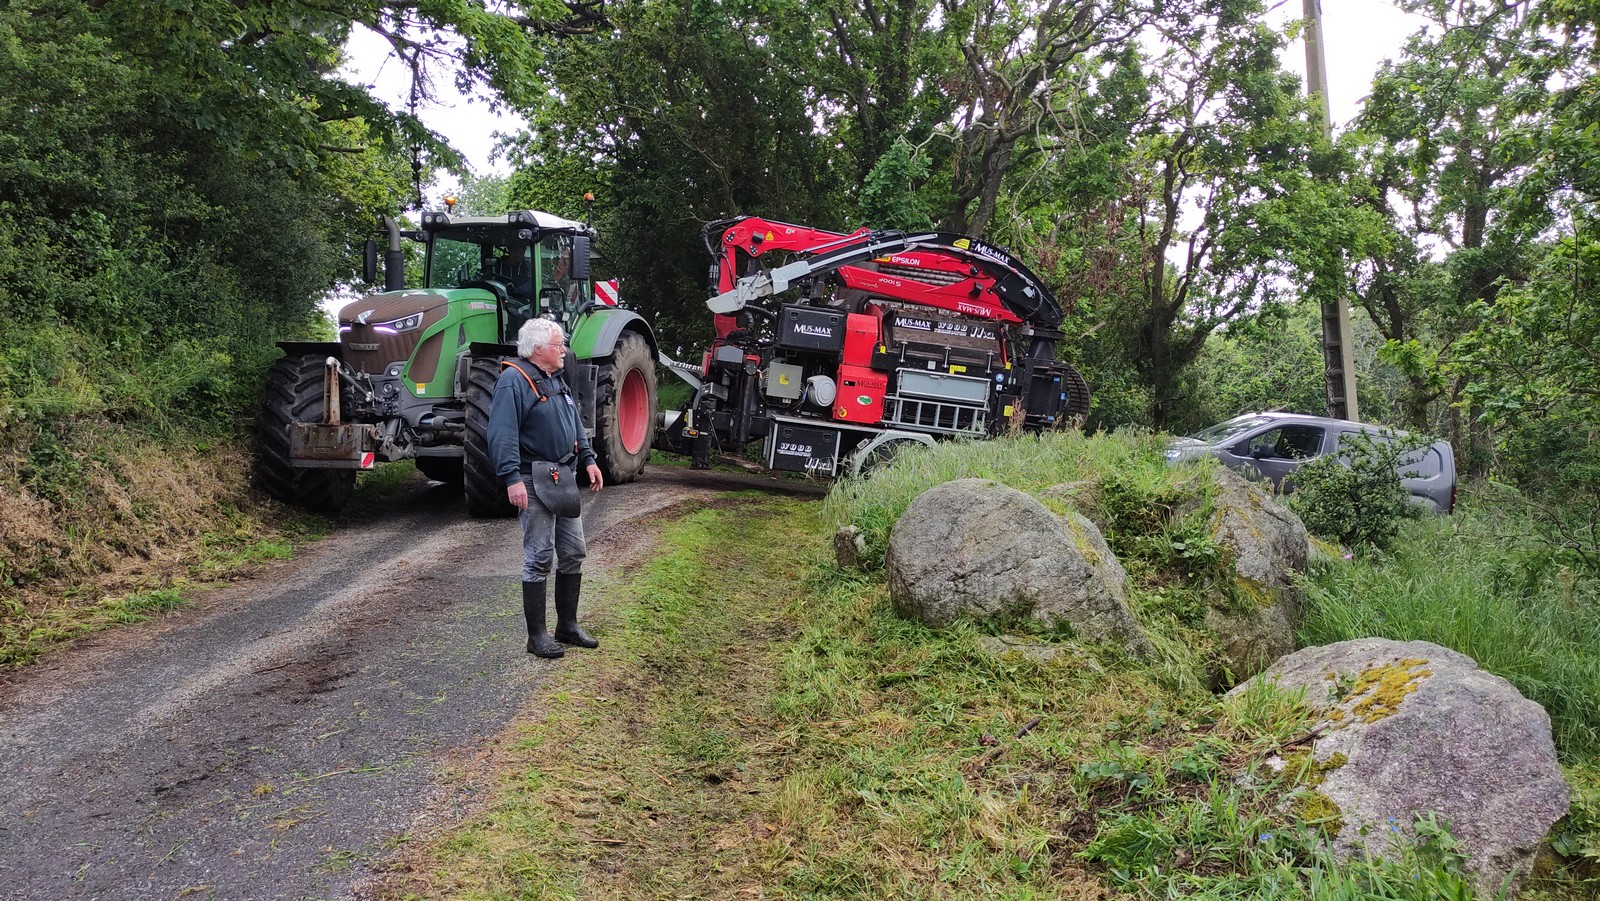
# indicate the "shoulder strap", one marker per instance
pixel 536 392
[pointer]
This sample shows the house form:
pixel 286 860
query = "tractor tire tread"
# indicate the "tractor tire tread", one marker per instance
pixel 484 491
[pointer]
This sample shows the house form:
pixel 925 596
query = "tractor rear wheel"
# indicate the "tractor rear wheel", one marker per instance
pixel 485 492
pixel 625 410
pixel 442 469
pixel 294 394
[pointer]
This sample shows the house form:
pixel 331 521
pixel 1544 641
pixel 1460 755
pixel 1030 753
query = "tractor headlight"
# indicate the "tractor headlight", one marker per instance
pixel 400 325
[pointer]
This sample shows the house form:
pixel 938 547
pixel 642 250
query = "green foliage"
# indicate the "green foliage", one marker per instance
pixel 1157 523
pixel 889 199
pixel 1209 125
pixel 697 118
pixel 1355 498
pixel 1268 362
pixel 554 179
pixel 182 183
pixel 1576 837
pixel 1534 358
pixel 1461 146
pixel 161 228
pixel 489 195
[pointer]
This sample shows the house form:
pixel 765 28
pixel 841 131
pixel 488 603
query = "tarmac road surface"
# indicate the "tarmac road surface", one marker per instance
pixel 276 739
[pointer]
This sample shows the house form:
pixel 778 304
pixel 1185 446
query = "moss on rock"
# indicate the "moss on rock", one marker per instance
pixel 1317 809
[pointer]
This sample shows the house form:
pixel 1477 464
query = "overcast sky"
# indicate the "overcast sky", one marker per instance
pixel 1358 35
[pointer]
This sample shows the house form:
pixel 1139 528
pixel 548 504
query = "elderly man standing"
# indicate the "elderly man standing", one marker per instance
pixel 536 439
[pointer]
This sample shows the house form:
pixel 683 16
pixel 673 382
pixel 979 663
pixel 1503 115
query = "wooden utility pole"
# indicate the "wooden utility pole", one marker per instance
pixel 1338 360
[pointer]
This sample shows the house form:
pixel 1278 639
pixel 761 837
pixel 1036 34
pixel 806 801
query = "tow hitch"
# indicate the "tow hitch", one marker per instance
pixel 331 444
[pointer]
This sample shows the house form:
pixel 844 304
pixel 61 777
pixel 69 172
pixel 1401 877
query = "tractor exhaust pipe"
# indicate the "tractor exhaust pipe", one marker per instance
pixel 394 261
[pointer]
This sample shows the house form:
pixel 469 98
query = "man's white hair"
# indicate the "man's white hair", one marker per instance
pixel 537 334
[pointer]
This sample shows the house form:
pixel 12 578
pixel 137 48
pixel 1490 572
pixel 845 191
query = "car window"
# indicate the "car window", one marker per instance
pixel 1416 463
pixel 1223 432
pixel 1289 442
pixel 1420 464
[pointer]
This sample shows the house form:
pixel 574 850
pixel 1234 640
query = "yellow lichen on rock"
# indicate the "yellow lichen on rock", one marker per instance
pixel 1379 690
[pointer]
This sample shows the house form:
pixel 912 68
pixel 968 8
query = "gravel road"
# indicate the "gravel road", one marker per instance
pixel 277 738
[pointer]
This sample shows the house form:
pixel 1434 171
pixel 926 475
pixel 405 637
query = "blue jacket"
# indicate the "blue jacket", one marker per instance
pixel 527 425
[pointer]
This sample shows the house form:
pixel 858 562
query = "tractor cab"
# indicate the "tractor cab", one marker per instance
pixel 533 263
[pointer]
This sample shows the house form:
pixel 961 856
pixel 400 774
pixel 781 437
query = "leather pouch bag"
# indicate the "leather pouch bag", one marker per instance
pixel 556 486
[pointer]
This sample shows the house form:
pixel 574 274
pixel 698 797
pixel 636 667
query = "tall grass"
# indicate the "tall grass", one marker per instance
pixel 1477 584
pixel 1029 463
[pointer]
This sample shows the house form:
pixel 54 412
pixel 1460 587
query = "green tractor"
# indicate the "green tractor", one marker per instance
pixel 413 372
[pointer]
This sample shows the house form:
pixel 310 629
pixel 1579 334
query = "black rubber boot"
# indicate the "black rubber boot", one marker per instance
pixel 567 629
pixel 539 640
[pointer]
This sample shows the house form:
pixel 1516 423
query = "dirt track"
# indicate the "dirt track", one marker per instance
pixel 278 738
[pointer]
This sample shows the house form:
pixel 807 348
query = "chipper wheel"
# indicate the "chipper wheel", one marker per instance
pixel 294 394
pixel 485 492
pixel 625 410
pixel 1077 393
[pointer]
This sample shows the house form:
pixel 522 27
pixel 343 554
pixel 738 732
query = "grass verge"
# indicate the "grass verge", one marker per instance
pixel 635 774
pixel 114 526
pixel 761 725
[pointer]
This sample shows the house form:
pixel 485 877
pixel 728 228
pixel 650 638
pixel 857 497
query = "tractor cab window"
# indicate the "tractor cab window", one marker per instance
pixel 509 266
pixel 559 292
pixel 452 263
pixel 471 261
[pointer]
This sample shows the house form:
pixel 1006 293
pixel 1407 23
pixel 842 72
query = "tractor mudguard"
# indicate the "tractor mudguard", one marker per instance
pixel 597 334
pixel 319 348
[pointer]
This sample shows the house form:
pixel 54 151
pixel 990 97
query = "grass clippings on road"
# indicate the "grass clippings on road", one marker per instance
pixel 639 770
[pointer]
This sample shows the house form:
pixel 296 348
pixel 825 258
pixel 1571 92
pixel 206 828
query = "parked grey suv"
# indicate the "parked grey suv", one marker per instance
pixel 1270 446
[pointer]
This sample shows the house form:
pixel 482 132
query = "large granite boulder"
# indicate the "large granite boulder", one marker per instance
pixel 1268 544
pixel 1268 548
pixel 977 549
pixel 1249 638
pixel 1411 728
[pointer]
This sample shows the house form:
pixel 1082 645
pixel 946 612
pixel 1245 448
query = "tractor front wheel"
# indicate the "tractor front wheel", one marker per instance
pixel 485 492
pixel 625 410
pixel 294 394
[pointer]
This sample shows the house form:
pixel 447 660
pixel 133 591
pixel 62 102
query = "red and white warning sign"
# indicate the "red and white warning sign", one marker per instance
pixel 606 292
